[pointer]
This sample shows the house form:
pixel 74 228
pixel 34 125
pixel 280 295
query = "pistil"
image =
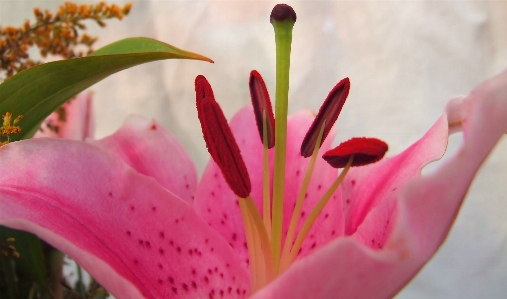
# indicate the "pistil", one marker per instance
pixel 282 18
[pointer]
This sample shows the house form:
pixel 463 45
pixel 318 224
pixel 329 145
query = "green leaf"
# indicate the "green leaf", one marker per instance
pixel 38 91
pixel 19 273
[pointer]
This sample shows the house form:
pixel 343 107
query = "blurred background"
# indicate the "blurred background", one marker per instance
pixel 405 60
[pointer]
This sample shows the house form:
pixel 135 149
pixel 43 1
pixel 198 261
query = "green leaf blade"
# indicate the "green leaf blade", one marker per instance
pixel 38 91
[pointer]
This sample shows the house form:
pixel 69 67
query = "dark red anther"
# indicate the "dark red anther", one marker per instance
pixel 219 139
pixel 365 151
pixel 262 106
pixel 328 113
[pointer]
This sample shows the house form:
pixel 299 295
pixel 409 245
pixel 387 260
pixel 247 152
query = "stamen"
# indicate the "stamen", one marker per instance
pixel 266 179
pixel 365 151
pixel 219 139
pixel 307 225
pixel 328 112
pixel 262 106
pixel 357 152
pixel 296 214
pixel 282 18
pixel 253 256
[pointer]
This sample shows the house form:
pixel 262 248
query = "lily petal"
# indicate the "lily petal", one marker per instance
pixel 424 209
pixel 127 231
pixel 73 120
pixel 365 187
pixel 152 150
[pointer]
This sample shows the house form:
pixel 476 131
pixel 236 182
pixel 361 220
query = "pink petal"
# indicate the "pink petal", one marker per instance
pixel 422 211
pixel 73 120
pixel 131 234
pixel 152 150
pixel 365 187
pixel 218 205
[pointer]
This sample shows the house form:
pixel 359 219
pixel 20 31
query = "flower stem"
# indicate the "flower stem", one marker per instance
pixel 305 229
pixel 283 40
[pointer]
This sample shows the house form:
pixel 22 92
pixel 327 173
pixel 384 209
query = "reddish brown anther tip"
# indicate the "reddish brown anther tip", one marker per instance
pixel 219 139
pixel 202 88
pixel 281 12
pixel 365 151
pixel 328 113
pixel 262 106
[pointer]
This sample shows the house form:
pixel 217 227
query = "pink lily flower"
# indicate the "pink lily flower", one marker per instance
pixel 129 210
pixel 73 120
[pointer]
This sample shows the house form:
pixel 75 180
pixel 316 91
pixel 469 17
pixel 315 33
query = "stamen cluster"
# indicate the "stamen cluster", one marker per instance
pixel 268 258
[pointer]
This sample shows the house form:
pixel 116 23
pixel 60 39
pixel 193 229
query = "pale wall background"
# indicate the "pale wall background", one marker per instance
pixel 405 60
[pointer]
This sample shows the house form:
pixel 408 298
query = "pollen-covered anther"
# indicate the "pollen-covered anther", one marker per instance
pixel 262 107
pixel 219 139
pixel 327 116
pixel 365 151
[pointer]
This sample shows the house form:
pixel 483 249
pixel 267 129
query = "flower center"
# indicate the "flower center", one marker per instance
pixel 268 258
